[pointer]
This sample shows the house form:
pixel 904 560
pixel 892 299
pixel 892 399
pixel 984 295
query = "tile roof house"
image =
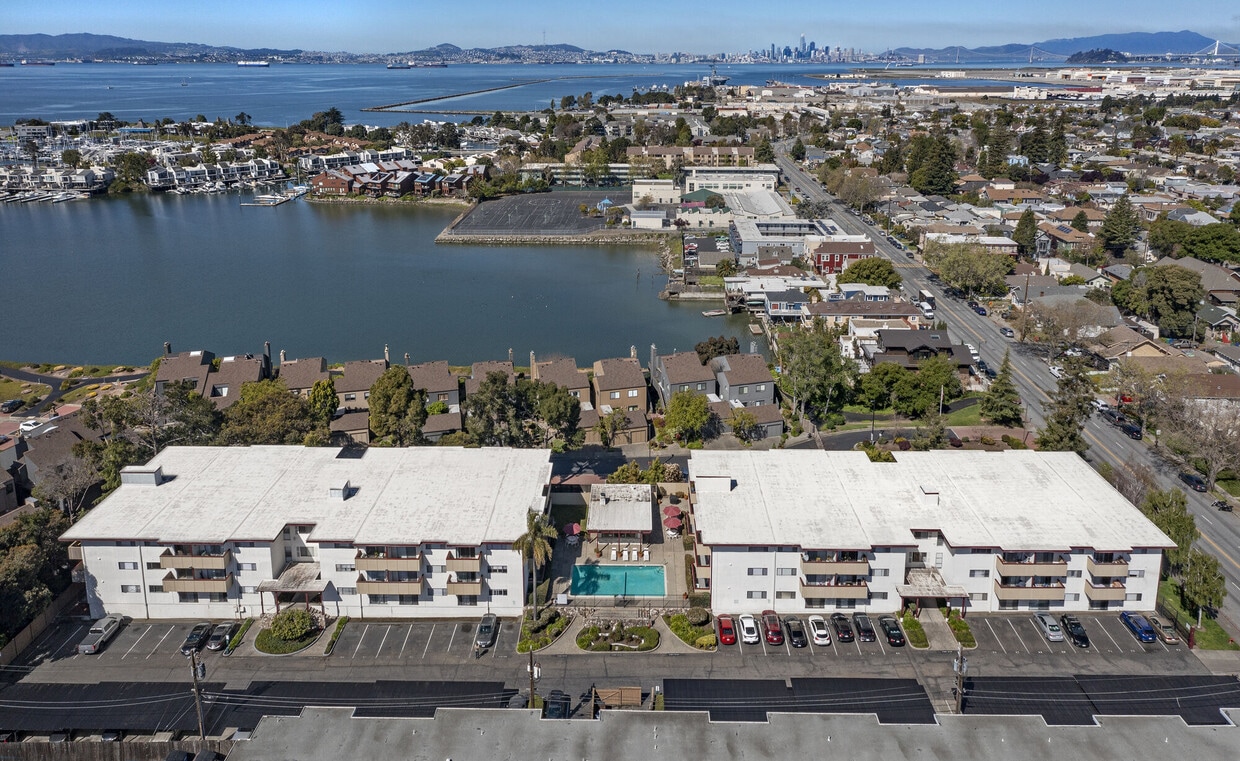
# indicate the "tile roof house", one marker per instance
pixel 682 371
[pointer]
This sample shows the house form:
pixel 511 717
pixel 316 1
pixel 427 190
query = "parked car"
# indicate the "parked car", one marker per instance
pixel 1074 629
pixel 991 374
pixel 1139 627
pixel 1132 430
pixel 980 310
pixel 1056 371
pixel 1049 627
pixel 749 629
pixel 488 629
pixel 865 629
pixel 1223 505
pixel 973 353
pixel 1193 481
pixel 891 630
pixel 971 304
pixel 796 631
pixel 819 632
pixel 843 632
pixel 1112 416
pixel 1165 630
pixel 99 633
pixel 29 425
pixel 12 405
pixel 727 631
pixel 1100 405
pixel 1007 332
pixel 557 705
pixel 221 635
pixel 196 639
pixel 771 628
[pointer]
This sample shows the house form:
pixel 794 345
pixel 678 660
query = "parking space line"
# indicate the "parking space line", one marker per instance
pixel 160 642
pixel 406 642
pixel 1113 642
pixel 499 630
pixel 1164 644
pixel 881 649
pixel 762 641
pixel 452 638
pixel 857 642
pixel 359 641
pixel 995 634
pixel 1017 633
pixel 135 642
pixel 386 631
pixel 428 640
pixel 75 634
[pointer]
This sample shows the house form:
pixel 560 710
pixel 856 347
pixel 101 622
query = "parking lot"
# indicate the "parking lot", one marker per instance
pixel 557 213
pixel 433 641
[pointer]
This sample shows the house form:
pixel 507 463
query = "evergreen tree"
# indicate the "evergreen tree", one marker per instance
pixel 1057 146
pixel 763 153
pixel 1068 410
pixel 1080 222
pixel 997 149
pixel 1034 144
pixel 1203 584
pixel 1120 228
pixel 798 150
pixel 397 409
pixel 1001 403
pixel 937 174
pixel 323 399
pixel 1026 235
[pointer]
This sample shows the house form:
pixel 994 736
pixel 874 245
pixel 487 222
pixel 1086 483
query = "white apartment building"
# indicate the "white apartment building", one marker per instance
pixel 221 532
pixel 804 531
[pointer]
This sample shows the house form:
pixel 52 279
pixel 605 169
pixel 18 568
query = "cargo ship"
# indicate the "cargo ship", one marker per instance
pixel 254 64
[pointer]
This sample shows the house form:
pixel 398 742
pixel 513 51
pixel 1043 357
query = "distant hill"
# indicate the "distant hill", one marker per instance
pixel 110 47
pixel 1131 43
pixel 1098 55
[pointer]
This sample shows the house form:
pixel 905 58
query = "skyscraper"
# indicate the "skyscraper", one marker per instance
pixel 802 44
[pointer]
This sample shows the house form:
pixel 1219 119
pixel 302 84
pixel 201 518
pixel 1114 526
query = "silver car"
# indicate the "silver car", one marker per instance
pixel 488 627
pixel 1049 627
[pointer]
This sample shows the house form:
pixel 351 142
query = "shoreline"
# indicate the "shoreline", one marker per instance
pixel 368 201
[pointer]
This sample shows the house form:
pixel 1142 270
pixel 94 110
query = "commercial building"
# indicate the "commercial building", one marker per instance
pixel 220 532
pixel 798 531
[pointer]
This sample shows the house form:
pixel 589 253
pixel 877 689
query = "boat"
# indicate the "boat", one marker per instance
pixel 28 62
pixel 755 328
pixel 714 79
pixel 6 64
pixel 254 64
pixel 399 66
pixel 714 313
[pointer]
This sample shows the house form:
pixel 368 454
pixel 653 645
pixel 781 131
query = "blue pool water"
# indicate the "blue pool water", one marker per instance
pixel 611 580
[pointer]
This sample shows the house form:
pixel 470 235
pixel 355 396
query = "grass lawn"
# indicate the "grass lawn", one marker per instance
pixel 859 409
pixel 1231 486
pixel 1211 636
pixel 710 281
pixel 562 515
pixel 971 415
pixel 11 389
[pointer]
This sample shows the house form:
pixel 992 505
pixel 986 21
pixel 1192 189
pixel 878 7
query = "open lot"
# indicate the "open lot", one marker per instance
pixel 433 641
pixel 537 214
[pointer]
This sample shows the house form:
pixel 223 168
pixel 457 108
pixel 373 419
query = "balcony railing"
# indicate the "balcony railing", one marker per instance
pixel 1054 592
pixel 365 562
pixel 858 591
pixel 218 586
pixel 408 587
pixel 456 587
pixel 1106 592
pixel 1015 568
pixel 172 559
pixel 464 565
pixel 1104 569
pixel 811 567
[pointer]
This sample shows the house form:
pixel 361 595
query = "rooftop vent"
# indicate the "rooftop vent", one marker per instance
pixel 141 475
pixel 341 492
pixel 716 484
pixel 929 496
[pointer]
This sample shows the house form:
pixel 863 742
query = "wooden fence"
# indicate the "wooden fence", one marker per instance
pixel 36 627
pixel 127 750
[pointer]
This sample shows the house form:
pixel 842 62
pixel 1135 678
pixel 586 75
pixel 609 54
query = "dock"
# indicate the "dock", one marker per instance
pixel 276 199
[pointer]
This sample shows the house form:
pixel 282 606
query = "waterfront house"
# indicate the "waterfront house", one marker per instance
pixel 437 380
pixel 224 384
pixel 300 375
pixel 682 371
pixel 564 373
pixel 744 379
pixel 191 367
pixel 620 384
pixel 425 184
pixel 354 382
pixel 332 182
pixel 480 370
pixel 785 306
pixel 841 311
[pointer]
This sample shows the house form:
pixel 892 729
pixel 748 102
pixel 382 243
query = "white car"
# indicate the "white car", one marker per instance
pixel 972 351
pixel 749 629
pixel 819 632
pixel 29 425
pixel 1057 371
pixel 1100 405
pixel 1049 627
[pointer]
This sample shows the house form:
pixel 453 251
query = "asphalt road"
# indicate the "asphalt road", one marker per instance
pixel 1219 532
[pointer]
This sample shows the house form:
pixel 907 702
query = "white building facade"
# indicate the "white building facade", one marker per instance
pixel 224 532
pixel 799 532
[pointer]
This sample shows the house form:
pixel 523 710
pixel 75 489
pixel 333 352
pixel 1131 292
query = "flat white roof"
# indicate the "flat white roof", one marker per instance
pixel 396 496
pixel 1013 500
pixel 621 507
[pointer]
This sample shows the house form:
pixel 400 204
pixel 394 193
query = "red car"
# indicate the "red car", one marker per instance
pixel 727 632
pixel 770 625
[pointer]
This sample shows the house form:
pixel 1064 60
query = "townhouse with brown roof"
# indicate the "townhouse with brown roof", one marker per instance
pixel 224 384
pixel 191 367
pixel 216 379
pixel 354 382
pixel 744 378
pixel 682 371
pixel 300 375
pixel 439 383
pixel 479 371
pixel 564 373
pixel 1053 239
pixel 620 384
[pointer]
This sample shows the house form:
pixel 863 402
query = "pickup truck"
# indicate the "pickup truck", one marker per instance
pixel 100 632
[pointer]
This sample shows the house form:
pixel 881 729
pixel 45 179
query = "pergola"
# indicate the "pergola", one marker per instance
pixel 297 579
pixel 928 583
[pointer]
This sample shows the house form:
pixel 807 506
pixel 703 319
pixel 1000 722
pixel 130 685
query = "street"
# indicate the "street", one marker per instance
pixel 1219 532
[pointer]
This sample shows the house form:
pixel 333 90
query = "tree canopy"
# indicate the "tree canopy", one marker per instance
pixel 970 267
pixel 1120 228
pixel 397 409
pixel 1068 409
pixel 1000 404
pixel 873 270
pixel 688 415
pixel 717 346
pixel 268 413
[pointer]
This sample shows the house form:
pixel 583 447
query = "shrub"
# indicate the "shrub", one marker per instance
pixel 547 628
pixel 697 616
pixel 291 624
pixel 1013 442
pixel 960 629
pixel 700 599
pixel 988 441
pixel 239 637
pixel 331 644
pixel 705 642
pixel 914 632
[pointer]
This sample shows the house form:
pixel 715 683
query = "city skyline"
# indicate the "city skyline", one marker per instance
pixel 392 26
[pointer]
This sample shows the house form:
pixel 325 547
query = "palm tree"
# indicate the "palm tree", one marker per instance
pixel 535 545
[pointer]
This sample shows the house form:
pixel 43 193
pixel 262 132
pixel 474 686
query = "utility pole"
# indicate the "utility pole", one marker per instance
pixel 961 666
pixel 198 670
pixel 1024 310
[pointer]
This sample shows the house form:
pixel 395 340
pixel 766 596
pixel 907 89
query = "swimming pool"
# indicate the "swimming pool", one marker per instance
pixel 619 580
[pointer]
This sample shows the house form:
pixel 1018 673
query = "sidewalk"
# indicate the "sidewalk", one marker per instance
pixel 938 633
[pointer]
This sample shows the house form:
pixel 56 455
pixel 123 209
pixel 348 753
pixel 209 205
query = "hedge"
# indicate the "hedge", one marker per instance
pixel 331 643
pixel 239 637
pixel 688 633
pixel 914 632
pixel 268 643
pixel 542 632
pixel 960 629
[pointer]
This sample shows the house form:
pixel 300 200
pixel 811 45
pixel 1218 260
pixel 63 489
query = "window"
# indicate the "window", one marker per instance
pixel 303 552
pixel 757 571
pixel 247 566
pixel 744 389
pixel 467 600
pixel 439 569
pixel 353 398
pixel 303 529
pixel 632 393
pixel 130 588
pixel 1132 597
pixel 979 574
pixel 878 595
pixel 345 567
pixel 442 591
pixel 347 591
pixel 126 565
pixel 498 569
pixel 785 572
pixel 1072 597
pixel 785 595
pixel 760 387
pixel 155 588
pixel 499 592
pixel 615 394
pixel 876 572
pixel 366 395
pixel 816 603
pixel 1136 573
pixel 757 549
pixel 153 566
pixel 701 387
pixel 756 595
pixel 1074 574
pixel 408 600
pixel 979 596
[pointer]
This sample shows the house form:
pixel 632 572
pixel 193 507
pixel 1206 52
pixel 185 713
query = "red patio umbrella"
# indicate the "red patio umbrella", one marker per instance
pixel 672 510
pixel 572 529
pixel 672 522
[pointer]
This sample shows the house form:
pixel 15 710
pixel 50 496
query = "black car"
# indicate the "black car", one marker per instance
pixel 991 374
pixel 796 632
pixel 981 365
pixel 865 629
pixel 487 629
pixel 891 630
pixel 198 637
pixel 1222 504
pixel 1112 416
pixel 843 632
pixel 557 705
pixel 980 310
pixel 12 405
pixel 1193 481
pixel 1074 629
pixel 1133 431
pixel 222 635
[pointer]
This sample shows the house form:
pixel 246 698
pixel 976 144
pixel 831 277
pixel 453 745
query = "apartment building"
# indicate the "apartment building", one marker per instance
pixel 221 532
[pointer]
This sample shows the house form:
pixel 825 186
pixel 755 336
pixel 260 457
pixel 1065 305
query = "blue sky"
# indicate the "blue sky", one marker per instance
pixel 381 26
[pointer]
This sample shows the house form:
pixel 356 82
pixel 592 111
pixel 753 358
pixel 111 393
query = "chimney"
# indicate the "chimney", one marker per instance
pixel 406 359
pixel 533 362
pixel 267 350
pixel 167 348
pixel 654 352
pixel 386 357
pixel 510 355
pixel 632 351
pixel 282 356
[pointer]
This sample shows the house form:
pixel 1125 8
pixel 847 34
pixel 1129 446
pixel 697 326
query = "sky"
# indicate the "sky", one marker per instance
pixel 640 26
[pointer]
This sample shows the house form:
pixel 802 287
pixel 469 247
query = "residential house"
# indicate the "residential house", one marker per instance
pixel 190 367
pixel 619 384
pixel 564 373
pixel 1123 342
pixel 909 348
pixel 224 384
pixel 682 371
pixel 1222 286
pixel 354 382
pixel 332 183
pixel 300 375
pixel 440 385
pixel 1060 239
pixel 831 257
pixel 1092 277
pixel 480 370
pixel 842 311
pixel 1221 323
pixel 744 378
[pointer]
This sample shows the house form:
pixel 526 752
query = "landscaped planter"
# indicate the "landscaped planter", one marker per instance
pixel 617 638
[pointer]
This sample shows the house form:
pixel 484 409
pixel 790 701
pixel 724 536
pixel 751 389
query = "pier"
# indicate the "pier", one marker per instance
pixel 397 106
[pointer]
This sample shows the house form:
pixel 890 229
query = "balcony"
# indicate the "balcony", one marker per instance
pixel 464 588
pixel 1053 592
pixel 860 591
pixel 834 567
pixel 219 586
pixel 1106 570
pixel 1106 592
pixel 1011 568
pixel 365 562
pixel 179 560
pixel 464 565
pixel 701 571
pixel 367 587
